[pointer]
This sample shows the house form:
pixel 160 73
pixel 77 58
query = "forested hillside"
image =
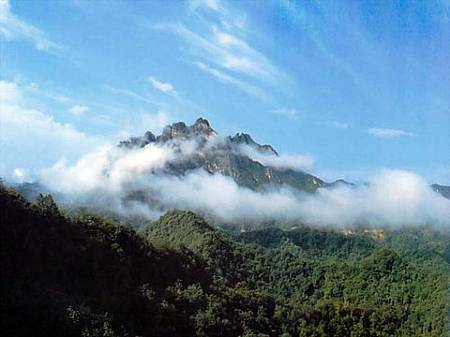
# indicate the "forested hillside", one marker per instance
pixel 85 275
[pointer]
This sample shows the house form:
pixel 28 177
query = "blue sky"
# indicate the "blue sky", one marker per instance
pixel 356 85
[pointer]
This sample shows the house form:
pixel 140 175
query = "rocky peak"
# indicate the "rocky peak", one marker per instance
pixel 202 127
pixel 245 138
pixel 176 130
pixel 242 138
pixel 147 138
pixel 225 157
pixel 180 130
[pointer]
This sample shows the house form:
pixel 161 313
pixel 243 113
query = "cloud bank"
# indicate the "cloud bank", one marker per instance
pixel 110 177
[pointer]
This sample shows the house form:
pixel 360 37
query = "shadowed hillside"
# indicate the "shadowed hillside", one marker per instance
pixel 86 276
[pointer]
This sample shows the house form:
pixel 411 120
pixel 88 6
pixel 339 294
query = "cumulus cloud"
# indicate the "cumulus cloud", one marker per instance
pixel 34 134
pixel 110 177
pixel 161 86
pixel 389 133
pixel 392 198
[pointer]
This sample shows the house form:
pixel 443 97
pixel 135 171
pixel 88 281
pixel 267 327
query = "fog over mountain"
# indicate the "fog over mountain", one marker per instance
pixel 235 179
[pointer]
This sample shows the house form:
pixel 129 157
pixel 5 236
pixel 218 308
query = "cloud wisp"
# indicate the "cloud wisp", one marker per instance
pixel 389 133
pixel 225 78
pixel 281 161
pixel 78 110
pixel 166 88
pixel 290 113
pixel 220 47
pixel 340 125
pixel 13 27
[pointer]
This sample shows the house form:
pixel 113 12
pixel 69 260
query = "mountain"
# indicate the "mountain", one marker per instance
pixel 442 189
pixel 31 191
pixel 88 276
pixel 216 154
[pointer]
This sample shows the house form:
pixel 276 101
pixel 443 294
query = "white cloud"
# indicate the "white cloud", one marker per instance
pixel 106 169
pixel 107 176
pixel 12 27
pixel 131 94
pixel 389 133
pixel 340 125
pixel 213 5
pixel 33 139
pixel 78 109
pixel 34 89
pixel 9 93
pixel 291 113
pixel 154 122
pixel 222 46
pixel 21 175
pixel 392 198
pixel 229 20
pixel 227 51
pixel 161 86
pixel 281 161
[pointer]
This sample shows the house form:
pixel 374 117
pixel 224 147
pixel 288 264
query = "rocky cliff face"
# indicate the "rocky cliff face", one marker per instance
pixel 217 154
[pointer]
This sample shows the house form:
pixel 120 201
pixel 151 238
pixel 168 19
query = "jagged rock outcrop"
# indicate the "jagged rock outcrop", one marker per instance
pixel 245 138
pixel 224 156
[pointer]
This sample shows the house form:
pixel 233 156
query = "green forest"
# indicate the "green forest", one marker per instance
pixel 80 274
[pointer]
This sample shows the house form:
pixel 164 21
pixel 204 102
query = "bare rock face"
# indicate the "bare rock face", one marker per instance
pixel 224 157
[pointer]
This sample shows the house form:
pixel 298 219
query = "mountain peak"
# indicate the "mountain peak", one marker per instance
pixel 175 130
pixel 201 122
pixel 245 138
pixel 228 156
pixel 180 130
pixel 242 138
pixel 202 127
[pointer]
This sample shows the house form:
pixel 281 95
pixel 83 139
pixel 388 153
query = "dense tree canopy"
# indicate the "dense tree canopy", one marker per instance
pixel 86 275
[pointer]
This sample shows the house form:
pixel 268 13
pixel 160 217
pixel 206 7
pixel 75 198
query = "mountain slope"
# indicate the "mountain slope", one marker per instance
pixel 88 277
pixel 224 156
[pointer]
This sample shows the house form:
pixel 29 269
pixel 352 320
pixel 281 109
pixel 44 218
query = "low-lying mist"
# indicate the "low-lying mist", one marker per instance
pixel 135 182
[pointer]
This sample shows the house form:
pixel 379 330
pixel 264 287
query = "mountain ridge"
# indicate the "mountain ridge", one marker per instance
pixel 224 156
